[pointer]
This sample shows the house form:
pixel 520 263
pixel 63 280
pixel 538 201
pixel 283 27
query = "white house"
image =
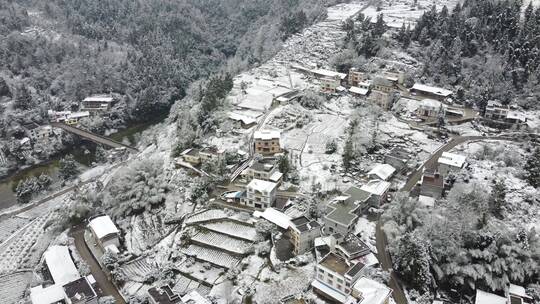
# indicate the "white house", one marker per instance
pixel 449 162
pixel 335 277
pixel 105 233
pixel 382 172
pixel 431 91
pixel 378 190
pixel 260 194
pixel 483 297
pixel 371 292
pixel 60 265
pixel 429 108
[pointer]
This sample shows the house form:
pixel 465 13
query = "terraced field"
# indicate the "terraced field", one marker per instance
pixel 212 256
pixel 13 286
pixel 222 241
pixel 137 270
pixel 233 229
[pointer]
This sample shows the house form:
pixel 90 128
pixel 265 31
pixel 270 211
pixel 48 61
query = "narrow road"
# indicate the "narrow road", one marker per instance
pixel 106 286
pixel 381 239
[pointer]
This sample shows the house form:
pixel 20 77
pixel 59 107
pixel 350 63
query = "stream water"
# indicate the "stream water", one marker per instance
pixel 83 154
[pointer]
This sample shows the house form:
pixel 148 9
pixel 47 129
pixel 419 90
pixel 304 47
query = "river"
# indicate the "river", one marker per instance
pixel 83 154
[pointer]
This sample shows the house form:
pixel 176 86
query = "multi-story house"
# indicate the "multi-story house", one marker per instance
pixel 496 111
pixel 105 233
pixel 210 153
pixel 303 232
pixel 98 103
pixel 451 162
pixel 267 142
pixel 356 77
pixel 264 169
pixel 260 194
pixel 330 84
pixel 344 211
pixel 431 183
pixel 335 277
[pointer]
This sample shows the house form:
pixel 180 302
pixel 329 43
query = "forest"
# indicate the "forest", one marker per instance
pixel 487 48
pixel 55 53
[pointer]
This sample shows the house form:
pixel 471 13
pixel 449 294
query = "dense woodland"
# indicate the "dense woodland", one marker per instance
pixel 55 53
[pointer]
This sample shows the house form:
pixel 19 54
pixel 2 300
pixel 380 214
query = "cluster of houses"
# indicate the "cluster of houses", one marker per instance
pixel 62 281
pixel 92 105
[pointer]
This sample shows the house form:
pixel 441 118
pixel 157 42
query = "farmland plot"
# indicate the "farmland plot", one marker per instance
pixel 222 242
pixel 212 256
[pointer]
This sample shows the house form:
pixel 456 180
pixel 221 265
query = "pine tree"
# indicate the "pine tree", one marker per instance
pixel 283 165
pixel 67 168
pixel 497 199
pixel 532 168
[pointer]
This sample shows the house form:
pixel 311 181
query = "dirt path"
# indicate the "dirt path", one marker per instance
pixel 103 281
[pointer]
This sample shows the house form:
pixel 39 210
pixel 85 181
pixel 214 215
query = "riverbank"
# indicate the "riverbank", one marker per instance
pixel 84 154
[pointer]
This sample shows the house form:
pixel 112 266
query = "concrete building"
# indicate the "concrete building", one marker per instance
pixel 98 103
pixel 210 154
pixel 335 277
pixel 356 77
pixel 81 291
pixel 496 111
pixel 105 233
pixel 260 194
pixel 378 190
pixel 382 99
pixel 67 117
pixel 436 93
pixel 303 232
pixel 330 85
pixel 368 291
pixel 430 108
pixel 431 184
pixel 451 162
pixel 343 211
pixel 382 172
pixel 382 84
pixel 191 156
pixel 267 142
pixel 398 158
pixel 352 247
pixel 163 295
pixel 264 169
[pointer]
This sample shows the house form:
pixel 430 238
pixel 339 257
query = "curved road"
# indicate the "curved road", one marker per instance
pixel 381 240
pixel 107 287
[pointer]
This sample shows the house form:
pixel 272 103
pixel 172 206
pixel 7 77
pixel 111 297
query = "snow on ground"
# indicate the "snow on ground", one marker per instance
pixel 399 12
pixel 273 286
pixel 503 160
pixel 13 286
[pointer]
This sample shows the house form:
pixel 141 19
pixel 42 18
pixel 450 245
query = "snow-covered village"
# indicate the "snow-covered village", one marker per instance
pixel 294 152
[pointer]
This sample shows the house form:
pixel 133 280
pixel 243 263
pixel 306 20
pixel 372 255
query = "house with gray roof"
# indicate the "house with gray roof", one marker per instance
pixel 343 211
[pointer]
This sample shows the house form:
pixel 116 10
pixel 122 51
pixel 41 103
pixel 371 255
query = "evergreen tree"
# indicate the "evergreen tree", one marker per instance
pixel 44 181
pixel 532 168
pixel 284 165
pixel 413 261
pixel 67 168
pixel 497 199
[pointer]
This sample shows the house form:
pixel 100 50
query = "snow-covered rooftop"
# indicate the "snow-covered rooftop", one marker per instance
pixel 516 115
pixel 359 91
pixel 261 185
pixel 433 90
pixel 333 293
pixel 371 292
pixel 79 114
pixel 244 117
pixel 52 294
pixel 274 216
pixel 276 176
pixel 518 291
pixel 99 98
pixel 267 134
pixel 103 226
pixel 452 159
pixel 382 171
pixel 483 297
pixel 430 103
pixel 328 73
pixel 376 187
pixel 195 297
pixel 426 200
pixel 61 265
